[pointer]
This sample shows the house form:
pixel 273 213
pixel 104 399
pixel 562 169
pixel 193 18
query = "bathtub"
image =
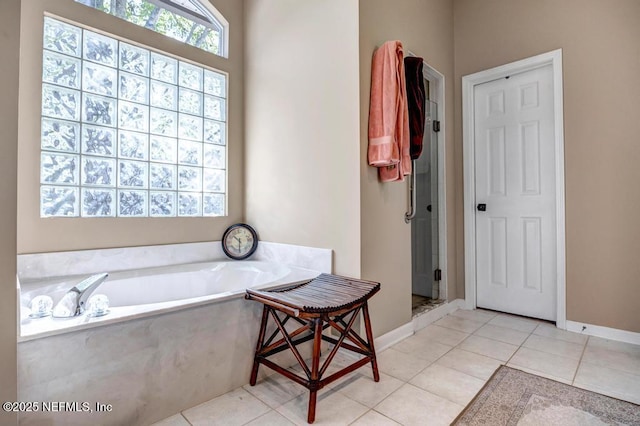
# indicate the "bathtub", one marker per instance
pixel 176 336
pixel 151 291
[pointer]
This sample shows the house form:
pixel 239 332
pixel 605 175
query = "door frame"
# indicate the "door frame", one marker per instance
pixel 553 58
pixel 436 90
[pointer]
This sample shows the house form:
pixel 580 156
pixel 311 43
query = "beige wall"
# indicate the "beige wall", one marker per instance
pixel 425 28
pixel 58 234
pixel 302 129
pixel 601 60
pixel 9 46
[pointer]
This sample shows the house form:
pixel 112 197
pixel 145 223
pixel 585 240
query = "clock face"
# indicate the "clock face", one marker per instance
pixel 239 241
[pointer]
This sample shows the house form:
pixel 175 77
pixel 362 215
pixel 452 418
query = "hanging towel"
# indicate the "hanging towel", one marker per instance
pixel 388 114
pixel 415 101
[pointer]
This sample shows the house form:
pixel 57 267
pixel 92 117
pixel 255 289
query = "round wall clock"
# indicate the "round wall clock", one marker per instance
pixel 239 241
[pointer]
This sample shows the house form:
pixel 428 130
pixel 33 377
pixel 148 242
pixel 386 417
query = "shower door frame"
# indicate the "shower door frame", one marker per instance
pixel 436 94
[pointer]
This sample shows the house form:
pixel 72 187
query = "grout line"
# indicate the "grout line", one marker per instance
pixel 502 341
pixel 548 353
pixel 612 366
pixel 504 362
pixel 510 328
pixel 584 349
pixel 520 346
pixel 472 353
pixel 542 373
pixel 359 417
pixel 383 415
pixel 185 419
pixel 442 397
pixel 264 401
pixel 445 397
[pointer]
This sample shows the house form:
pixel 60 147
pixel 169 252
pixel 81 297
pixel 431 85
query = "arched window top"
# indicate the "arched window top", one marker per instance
pixel 193 22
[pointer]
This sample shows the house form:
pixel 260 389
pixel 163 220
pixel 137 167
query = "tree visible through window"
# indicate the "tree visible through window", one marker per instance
pixel 185 20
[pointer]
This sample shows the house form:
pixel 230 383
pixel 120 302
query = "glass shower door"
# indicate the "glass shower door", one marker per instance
pixel 424 226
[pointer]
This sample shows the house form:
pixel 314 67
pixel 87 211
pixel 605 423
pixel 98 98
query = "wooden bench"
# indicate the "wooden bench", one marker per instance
pixel 323 302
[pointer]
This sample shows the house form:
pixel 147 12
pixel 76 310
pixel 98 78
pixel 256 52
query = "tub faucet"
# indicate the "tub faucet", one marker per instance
pixel 73 302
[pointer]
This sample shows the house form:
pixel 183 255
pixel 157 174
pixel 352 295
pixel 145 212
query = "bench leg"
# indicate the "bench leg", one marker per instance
pixel 263 329
pixel 367 326
pixel 311 413
pixel 315 368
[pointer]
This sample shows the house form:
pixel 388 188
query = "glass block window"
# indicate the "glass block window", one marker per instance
pixel 128 131
pixel 188 21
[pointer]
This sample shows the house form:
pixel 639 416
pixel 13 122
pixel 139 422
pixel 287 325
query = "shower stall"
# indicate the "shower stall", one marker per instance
pixel 424 217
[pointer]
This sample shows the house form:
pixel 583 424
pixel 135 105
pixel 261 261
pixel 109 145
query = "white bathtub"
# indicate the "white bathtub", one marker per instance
pixel 139 293
pixel 176 336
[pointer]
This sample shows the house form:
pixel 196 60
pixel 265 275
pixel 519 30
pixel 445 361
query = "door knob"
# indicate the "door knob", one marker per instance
pixel 482 207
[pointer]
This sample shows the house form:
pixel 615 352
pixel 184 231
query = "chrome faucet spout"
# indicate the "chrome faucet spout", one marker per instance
pixel 73 302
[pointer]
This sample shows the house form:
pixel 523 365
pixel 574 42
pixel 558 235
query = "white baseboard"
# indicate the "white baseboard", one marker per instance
pixel 392 337
pixel 604 332
pixel 459 303
pixel 429 317
pixel 421 321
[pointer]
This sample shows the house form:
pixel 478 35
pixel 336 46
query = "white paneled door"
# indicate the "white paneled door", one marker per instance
pixel 515 194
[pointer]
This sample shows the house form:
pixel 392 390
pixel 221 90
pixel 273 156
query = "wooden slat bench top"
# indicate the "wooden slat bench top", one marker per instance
pixel 321 295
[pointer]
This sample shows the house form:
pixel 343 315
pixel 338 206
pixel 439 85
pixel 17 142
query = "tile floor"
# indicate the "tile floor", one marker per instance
pixel 428 378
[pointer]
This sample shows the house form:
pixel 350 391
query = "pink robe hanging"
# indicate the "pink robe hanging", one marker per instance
pixel 388 114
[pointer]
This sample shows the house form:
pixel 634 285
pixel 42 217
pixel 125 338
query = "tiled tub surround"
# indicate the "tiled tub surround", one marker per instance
pixel 152 364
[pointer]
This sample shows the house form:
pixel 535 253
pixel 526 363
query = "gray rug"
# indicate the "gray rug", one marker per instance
pixel 513 397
